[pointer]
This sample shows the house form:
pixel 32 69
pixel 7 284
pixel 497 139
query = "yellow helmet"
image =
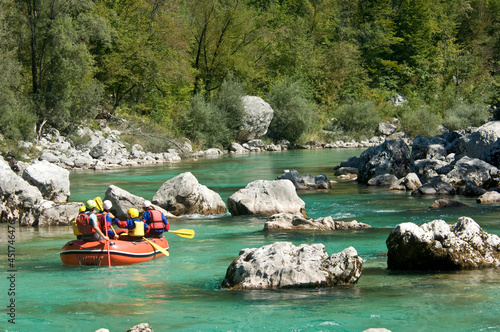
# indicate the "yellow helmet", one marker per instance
pixel 134 213
pixel 81 209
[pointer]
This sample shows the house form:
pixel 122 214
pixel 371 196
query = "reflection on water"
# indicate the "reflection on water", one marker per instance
pixel 182 292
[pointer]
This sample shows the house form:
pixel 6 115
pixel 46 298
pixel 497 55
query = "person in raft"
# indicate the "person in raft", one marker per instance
pixel 107 219
pixel 156 221
pixel 136 228
pixel 87 223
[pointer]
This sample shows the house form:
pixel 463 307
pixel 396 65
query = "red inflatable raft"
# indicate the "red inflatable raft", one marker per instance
pixel 78 252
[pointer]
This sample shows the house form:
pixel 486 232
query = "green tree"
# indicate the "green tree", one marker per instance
pixel 145 68
pixel 224 33
pixel 15 120
pixel 294 112
pixel 53 48
pixel 205 123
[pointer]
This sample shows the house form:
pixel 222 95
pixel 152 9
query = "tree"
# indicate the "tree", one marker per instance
pixel 223 32
pixel 15 120
pixel 53 38
pixel 294 113
pixel 145 68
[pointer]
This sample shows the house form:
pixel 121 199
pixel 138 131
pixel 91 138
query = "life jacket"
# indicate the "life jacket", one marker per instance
pixel 156 221
pixel 83 223
pixel 101 218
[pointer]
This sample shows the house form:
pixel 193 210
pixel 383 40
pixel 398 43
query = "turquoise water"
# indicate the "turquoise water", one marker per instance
pixel 182 292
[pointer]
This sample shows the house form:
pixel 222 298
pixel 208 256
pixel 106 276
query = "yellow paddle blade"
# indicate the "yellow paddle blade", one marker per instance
pixel 98 203
pixel 187 233
pixel 166 253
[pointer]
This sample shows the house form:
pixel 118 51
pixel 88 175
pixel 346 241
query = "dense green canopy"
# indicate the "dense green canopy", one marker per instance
pixel 172 61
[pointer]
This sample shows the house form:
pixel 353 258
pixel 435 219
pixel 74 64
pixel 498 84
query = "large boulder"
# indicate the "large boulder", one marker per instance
pixel 266 198
pixel 439 246
pixel 437 147
pixel 475 170
pixel 477 142
pixel 283 265
pixel 15 192
pixel 391 157
pixel 183 195
pixel 52 180
pixel 57 215
pixel 257 118
pixel 299 222
pixel 122 200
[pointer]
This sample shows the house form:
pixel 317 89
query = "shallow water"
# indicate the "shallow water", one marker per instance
pixel 182 292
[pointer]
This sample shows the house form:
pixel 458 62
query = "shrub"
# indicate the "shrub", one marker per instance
pixel 205 123
pixel 419 122
pixel 466 115
pixel 294 113
pixel 17 124
pixel 357 118
pixel 229 102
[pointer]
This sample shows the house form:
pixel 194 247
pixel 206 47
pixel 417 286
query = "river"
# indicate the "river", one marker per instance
pixel 182 292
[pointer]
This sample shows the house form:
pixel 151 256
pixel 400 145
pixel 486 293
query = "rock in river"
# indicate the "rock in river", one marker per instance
pixel 283 265
pixel 266 197
pixel 439 246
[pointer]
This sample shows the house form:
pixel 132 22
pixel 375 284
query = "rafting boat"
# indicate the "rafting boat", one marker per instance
pixel 78 252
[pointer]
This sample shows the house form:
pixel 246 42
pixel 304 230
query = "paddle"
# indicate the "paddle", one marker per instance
pixel 187 233
pixel 107 243
pixel 98 203
pixel 166 253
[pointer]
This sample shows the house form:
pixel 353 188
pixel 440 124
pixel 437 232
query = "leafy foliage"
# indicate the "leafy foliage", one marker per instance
pixel 66 61
pixel 357 118
pixel 419 121
pixel 293 111
pixel 465 115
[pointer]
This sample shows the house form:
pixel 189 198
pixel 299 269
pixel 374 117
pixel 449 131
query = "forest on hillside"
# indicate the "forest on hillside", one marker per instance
pixel 327 67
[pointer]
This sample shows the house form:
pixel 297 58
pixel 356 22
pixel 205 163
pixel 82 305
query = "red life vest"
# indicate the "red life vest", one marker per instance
pixel 83 223
pixel 101 218
pixel 156 221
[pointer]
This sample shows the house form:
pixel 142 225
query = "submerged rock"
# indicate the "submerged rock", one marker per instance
pixel 306 182
pixel 439 246
pixel 298 221
pixel 447 203
pixel 283 265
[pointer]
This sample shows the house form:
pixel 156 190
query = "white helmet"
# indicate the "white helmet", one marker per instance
pixel 107 204
pixel 146 204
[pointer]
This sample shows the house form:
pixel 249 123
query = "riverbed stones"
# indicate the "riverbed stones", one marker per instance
pixel 50 179
pixel 284 265
pixel 439 246
pixel 264 197
pixel 281 221
pixel 184 195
